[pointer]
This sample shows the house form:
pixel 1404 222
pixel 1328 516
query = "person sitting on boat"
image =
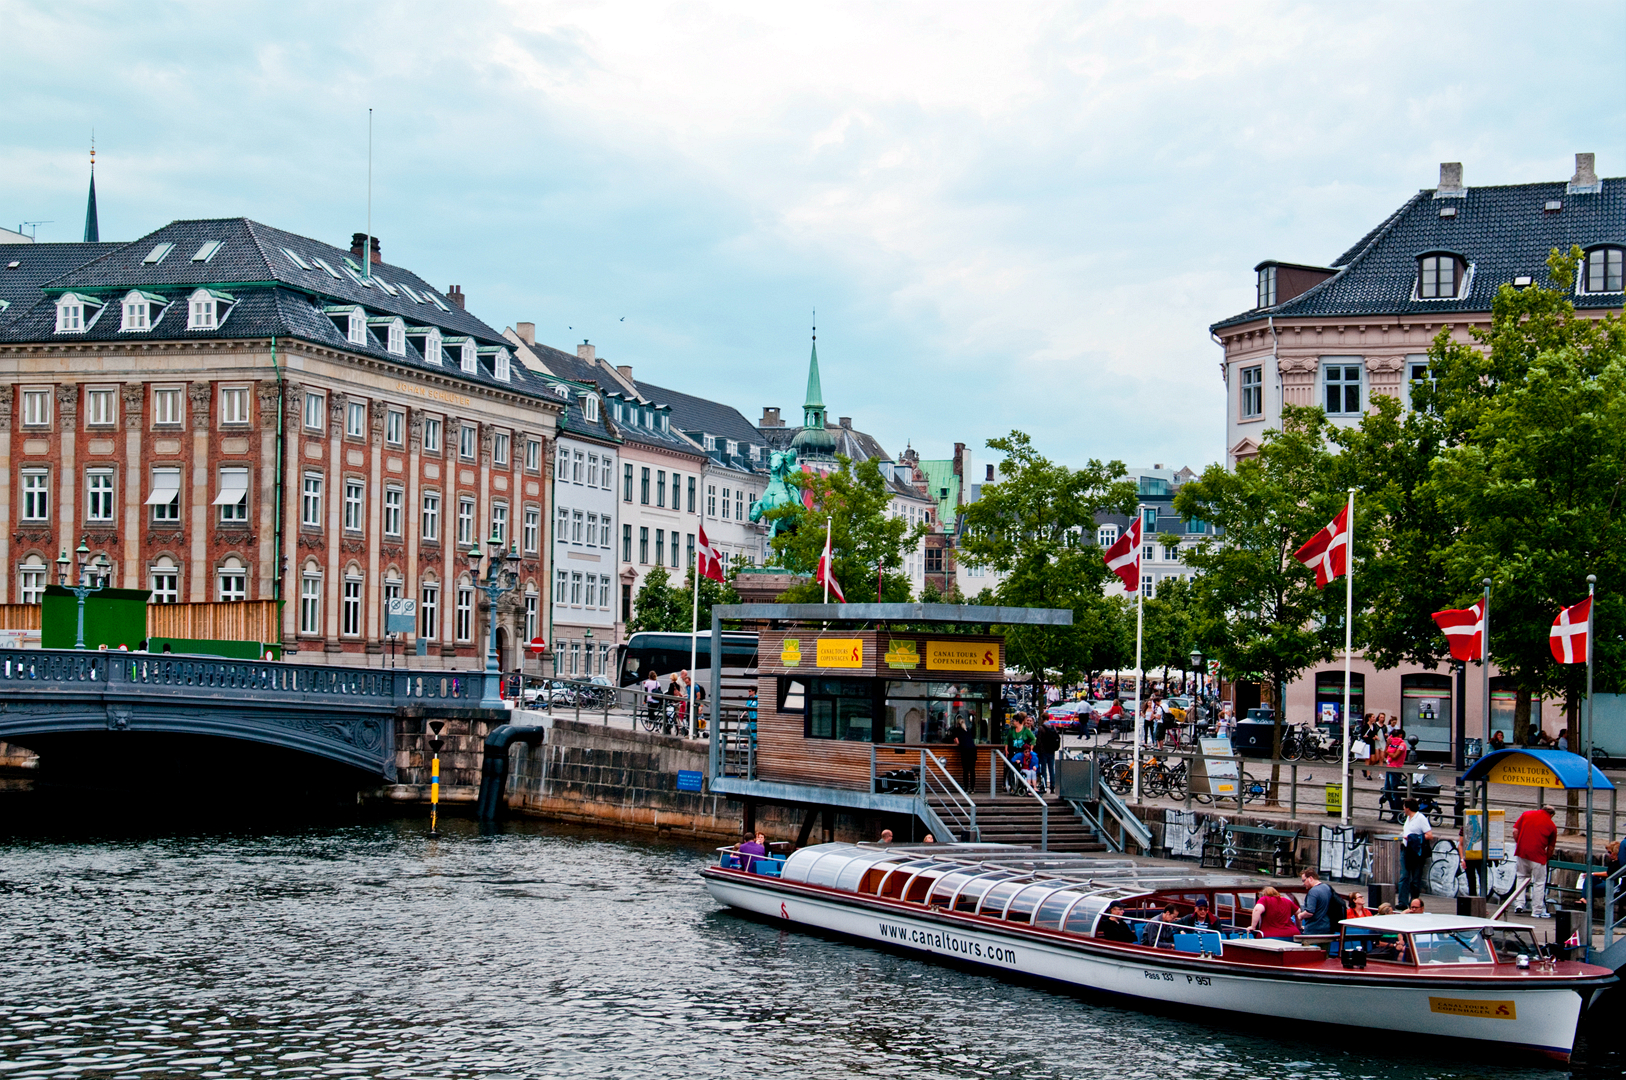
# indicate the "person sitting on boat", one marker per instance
pixel 886 836
pixel 1273 914
pixel 753 850
pixel 1355 903
pixel 1319 904
pixel 1114 928
pixel 1160 931
pixel 1416 906
pixel 1202 918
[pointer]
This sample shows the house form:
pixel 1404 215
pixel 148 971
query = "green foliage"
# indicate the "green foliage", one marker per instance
pixel 1170 629
pixel 660 605
pixel 1035 527
pixel 865 537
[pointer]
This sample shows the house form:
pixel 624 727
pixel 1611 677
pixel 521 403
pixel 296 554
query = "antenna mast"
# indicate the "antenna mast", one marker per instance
pixel 367 252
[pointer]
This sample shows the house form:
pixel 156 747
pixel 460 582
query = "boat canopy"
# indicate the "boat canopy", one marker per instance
pixel 1428 923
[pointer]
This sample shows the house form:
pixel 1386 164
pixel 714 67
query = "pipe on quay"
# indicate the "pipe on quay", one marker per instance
pixel 494 767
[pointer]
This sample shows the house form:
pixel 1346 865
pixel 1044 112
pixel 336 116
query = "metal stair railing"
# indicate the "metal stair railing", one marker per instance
pixel 937 782
pixel 1128 823
pixel 1044 807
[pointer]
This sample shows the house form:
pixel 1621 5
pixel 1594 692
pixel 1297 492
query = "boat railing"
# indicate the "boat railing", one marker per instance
pixel 1614 892
pixel 1020 784
pixel 957 809
pixel 770 865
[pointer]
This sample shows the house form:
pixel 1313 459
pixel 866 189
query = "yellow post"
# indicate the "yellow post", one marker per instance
pixel 435 744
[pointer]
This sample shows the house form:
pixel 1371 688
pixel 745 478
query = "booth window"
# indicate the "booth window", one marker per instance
pixel 841 709
pixel 792 695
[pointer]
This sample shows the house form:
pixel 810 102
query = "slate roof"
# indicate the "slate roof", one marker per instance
pixel 854 444
pixel 1502 232
pixel 272 293
pixel 698 416
pixel 595 373
pixel 36 265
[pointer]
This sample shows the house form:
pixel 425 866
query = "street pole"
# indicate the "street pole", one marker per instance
pixel 499 582
pixel 1586 878
pixel 1140 676
pixel 1485 745
pixel 1349 648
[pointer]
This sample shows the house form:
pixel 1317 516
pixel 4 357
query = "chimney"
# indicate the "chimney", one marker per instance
pixel 455 295
pixel 1585 181
pixel 358 243
pixel 1450 181
pixel 625 371
pixel 526 332
pixel 990 478
pixel 959 460
pixel 846 423
pixel 770 418
pixel 586 351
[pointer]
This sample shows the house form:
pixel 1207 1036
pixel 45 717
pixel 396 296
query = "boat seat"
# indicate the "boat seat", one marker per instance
pixel 767 867
pixel 1196 941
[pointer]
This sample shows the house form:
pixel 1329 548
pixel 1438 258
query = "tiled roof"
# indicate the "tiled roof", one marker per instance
pixel 849 442
pixel 36 265
pixel 1502 233
pixel 272 294
pixel 698 416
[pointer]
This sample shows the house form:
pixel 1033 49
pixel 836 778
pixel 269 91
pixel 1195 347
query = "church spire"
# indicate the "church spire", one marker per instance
pixel 814 441
pixel 815 393
pixel 92 230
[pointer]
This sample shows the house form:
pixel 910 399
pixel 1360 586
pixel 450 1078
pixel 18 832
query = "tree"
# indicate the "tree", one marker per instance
pixel 1256 607
pixel 867 540
pixel 660 605
pixel 1035 527
pixel 1170 629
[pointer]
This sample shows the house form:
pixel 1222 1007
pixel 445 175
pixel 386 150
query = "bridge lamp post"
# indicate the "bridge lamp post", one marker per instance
pixel 501 578
pixel 87 574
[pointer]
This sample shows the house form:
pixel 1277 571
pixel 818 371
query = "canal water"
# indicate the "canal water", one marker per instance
pixel 363 949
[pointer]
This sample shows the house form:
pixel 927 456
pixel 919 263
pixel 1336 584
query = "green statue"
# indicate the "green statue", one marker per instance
pixel 782 490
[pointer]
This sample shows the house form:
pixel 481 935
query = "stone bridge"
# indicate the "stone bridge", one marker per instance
pixel 51 699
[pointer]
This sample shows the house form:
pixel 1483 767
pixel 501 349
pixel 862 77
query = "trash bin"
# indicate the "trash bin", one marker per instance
pixel 1254 738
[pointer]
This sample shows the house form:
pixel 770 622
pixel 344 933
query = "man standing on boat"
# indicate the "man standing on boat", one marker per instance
pixel 1416 843
pixel 1535 835
pixel 1317 916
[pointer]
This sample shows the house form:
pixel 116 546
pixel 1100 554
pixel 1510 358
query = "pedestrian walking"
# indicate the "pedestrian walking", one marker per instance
pixel 1535 835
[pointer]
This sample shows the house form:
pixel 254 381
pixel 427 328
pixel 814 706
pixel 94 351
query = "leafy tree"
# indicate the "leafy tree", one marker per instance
pixel 1170 628
pixel 659 605
pixel 866 539
pixel 1035 527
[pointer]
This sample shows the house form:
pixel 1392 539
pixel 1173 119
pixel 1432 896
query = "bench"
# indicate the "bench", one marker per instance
pixel 1250 845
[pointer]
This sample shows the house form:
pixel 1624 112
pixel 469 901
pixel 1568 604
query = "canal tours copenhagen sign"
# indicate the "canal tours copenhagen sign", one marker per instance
pixel 980 656
pixel 883 655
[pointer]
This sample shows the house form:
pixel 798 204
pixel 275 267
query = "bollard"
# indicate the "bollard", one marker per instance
pixel 435 744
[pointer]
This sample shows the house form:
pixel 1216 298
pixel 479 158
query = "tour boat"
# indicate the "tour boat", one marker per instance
pixel 1031 915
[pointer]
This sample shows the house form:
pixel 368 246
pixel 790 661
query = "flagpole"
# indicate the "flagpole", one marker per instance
pixel 826 561
pixel 694 646
pixel 1586 878
pixel 1349 646
pixel 1140 676
pixel 1485 744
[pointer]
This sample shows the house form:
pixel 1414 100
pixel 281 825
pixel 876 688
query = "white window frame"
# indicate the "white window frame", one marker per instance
pixel 234 407
pixel 166 407
pixel 202 310
pixel 468 442
pixel 315 410
pixel 310 500
pixel 499 448
pixel 310 602
pixel 1601 255
pixel 36 406
pixel 32 577
pixel 561 585
pixel 429 520
pixel 350 608
pixel 237 512
pixel 531 536
pixel 36 504
pixel 394 510
pixel 499 521
pixel 101 407
pixel 590 407
pixel 533 455
pixel 1343 363
pixel 431 434
pixel 355 501
pixel 1251 392
pixel 231 584
pixel 395 427
pixel 355 419
pixel 166 582
pixel 169 511
pixel 463 623
pixel 99 495
pixel 465 520
pixel 429 611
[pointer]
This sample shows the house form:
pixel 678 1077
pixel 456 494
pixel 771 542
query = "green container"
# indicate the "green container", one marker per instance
pixel 113 617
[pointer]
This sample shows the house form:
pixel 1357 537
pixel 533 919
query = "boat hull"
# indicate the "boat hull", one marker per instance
pixel 1539 1018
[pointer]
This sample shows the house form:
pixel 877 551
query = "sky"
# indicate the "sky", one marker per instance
pixel 1007 215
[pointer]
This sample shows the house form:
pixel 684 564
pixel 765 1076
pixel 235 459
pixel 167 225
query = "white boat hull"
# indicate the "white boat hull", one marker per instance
pixel 1539 1018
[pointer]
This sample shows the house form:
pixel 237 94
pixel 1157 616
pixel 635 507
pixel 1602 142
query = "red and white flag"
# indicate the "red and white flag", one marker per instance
pixel 1464 628
pixel 1123 557
pixel 708 560
pixel 1569 633
pixel 826 575
pixel 1328 550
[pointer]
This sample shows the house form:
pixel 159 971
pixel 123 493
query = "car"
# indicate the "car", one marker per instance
pixel 1067 717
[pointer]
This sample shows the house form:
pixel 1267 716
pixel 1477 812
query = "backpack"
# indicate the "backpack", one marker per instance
pixel 1337 910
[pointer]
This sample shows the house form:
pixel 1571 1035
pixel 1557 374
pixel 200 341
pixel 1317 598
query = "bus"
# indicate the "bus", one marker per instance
pixel 666 654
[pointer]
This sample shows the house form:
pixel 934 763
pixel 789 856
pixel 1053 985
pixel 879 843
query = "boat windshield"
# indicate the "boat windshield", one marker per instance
pixel 1510 943
pixel 1453 947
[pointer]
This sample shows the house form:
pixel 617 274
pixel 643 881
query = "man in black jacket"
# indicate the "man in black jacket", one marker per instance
pixel 967 739
pixel 1113 928
pixel 1045 747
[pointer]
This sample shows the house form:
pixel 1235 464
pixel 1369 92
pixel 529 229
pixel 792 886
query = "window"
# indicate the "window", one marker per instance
pixel 711 500
pixel 499 448
pixel 499 366
pixel 233 496
pixel 100 408
pixel 576 588
pixel 575 657
pixel 395 427
pixel 626 603
pixel 1343 389
pixel 166 407
pixel 355 419
pixel 739 504
pixel 592 470
pixel 468 361
pixel 561 586
pixel 166 582
pixel 725 504
pixel 840 709
pixel 934 560
pixel 234 406
pixel 70 314
pixel 394 500
pixel 1253 392
pixel 203 311
pixel 575 526
pixel 465 521
pixel 466 442
pixel 531 537
pixel 207 251
pixel 165 499
pixel 310 502
pixel 604 592
pixel 660 547
pixel 37 408
pixel 463 614
pixel 531 621
pixel 36 495
pixel 626 543
pixel 576 467
pixel 1148 552
pixel 1106 536
pixel 499 521
pixel 310 603
pixel 1437 277
pixel 1147 588
pixel 643 545
pixel 428 611
pixel 314 408
pixel 31 580
pixel 392 589
pixel 350 608
pixel 660 487
pixel 99 495
pixel 533 454
pixel 1603 270
pixel 431 516
pixel 689 549
pixel 231 584
pixel 395 341
pixel 156 255
pixel 353 499
pixel 677 494
pixel 643 495
pixel 626 477
pixel 606 472
pixel 733 447
pixel 1267 287
pixel 604 532
pixel 431 435
pixel 1148 521
pixel 561 528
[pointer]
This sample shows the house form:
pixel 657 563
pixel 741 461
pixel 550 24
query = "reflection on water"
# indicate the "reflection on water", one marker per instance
pixel 365 950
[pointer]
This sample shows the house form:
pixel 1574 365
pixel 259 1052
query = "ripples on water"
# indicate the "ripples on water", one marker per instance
pixel 365 950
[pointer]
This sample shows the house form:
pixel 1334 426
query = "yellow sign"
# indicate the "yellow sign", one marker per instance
pixel 903 654
pixel 1487 1010
pixel 963 656
pixel 1523 771
pixel 1335 799
pixel 790 653
pixel 841 652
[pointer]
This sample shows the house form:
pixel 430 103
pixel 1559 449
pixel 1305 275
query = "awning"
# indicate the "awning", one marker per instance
pixel 233 487
pixel 166 487
pixel 1537 768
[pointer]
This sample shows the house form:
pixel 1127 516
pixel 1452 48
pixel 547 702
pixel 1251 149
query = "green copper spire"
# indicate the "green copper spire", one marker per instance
pixel 815 393
pixel 814 441
pixel 92 231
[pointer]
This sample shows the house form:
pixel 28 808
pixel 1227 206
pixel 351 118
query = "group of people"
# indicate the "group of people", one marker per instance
pixel 678 688
pixel 1032 750
pixel 1275 915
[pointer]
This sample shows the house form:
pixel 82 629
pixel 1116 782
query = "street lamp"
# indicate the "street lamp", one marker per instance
pixel 501 579
pixel 87 574
pixel 1197 666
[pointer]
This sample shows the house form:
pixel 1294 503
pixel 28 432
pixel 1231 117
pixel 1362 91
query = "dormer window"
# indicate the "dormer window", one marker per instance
pixel 1439 276
pixel 733 448
pixel 140 309
pixel 350 320
pixel 468 358
pixel 75 312
pixel 393 330
pixel 710 442
pixel 590 407
pixel 499 368
pixel 427 339
pixel 666 422
pixel 206 309
pixel 1602 270
pixel 1267 287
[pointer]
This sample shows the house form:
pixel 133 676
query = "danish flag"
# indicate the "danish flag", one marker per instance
pixel 1568 637
pixel 708 560
pixel 826 575
pixel 1464 628
pixel 1123 558
pixel 1328 550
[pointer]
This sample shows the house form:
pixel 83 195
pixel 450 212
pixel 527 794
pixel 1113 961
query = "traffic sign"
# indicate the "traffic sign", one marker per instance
pixel 400 615
pixel 537 645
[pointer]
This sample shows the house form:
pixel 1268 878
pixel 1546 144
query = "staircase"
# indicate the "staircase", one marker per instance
pixel 1009 819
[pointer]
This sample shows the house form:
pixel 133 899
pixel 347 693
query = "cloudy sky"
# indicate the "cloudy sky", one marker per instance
pixel 1007 215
